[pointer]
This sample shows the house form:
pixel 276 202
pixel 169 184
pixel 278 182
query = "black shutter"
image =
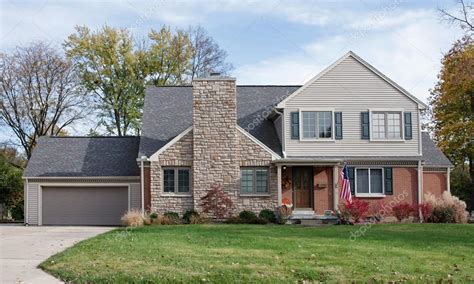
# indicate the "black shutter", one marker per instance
pixel 351 179
pixel 295 125
pixel 338 124
pixel 408 126
pixel 388 181
pixel 365 125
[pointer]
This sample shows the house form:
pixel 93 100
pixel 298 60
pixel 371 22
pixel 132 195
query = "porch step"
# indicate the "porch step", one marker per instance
pixel 303 214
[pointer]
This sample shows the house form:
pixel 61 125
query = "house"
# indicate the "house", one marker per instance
pixel 264 145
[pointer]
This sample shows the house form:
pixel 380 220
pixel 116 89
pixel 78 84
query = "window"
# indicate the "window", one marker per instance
pixel 369 181
pixel 253 180
pixel 176 180
pixel 317 124
pixel 386 125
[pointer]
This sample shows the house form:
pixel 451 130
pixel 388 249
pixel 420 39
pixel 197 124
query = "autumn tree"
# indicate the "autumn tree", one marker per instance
pixel 452 103
pixel 114 72
pixel 40 94
pixel 168 56
pixel 206 56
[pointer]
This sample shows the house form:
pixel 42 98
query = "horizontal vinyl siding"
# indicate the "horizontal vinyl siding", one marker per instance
pixel 351 88
pixel 33 202
pixel 135 196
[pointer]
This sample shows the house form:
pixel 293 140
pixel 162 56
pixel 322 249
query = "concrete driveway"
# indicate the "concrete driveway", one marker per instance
pixel 23 248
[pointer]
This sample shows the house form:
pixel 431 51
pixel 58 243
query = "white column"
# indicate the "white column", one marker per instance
pixel 279 184
pixel 420 187
pixel 448 179
pixel 142 184
pixel 335 175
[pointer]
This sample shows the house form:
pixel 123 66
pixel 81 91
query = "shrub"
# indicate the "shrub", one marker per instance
pixel 153 216
pixel 357 209
pixel 283 212
pixel 216 202
pixel 402 211
pixel 441 213
pixel 187 216
pixel 267 214
pixel 163 220
pixel 240 220
pixel 426 210
pixel 173 217
pixel 234 220
pixel 260 221
pixel 196 219
pixel 378 211
pixel 133 218
pixel 247 216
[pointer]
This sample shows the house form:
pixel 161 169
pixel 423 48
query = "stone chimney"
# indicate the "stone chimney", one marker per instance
pixel 214 136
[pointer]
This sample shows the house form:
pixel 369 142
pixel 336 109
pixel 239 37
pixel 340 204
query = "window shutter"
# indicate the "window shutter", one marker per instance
pixel 338 124
pixel 295 125
pixel 408 126
pixel 365 125
pixel 388 181
pixel 351 179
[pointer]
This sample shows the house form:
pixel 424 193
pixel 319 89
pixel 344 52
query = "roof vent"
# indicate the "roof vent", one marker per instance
pixel 215 74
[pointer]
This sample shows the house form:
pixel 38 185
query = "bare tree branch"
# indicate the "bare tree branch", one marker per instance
pixel 465 20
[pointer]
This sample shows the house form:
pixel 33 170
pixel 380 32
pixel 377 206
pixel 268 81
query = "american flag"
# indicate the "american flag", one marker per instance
pixel 345 192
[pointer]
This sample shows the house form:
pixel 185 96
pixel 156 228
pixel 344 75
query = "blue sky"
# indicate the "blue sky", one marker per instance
pixel 268 42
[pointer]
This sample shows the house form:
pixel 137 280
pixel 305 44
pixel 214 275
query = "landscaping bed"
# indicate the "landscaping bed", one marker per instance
pixel 270 253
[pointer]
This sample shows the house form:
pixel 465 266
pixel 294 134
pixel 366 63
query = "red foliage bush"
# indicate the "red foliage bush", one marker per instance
pixel 402 211
pixel 357 209
pixel 217 202
pixel 426 210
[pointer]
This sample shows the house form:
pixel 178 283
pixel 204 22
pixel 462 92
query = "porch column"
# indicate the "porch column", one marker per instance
pixel 448 179
pixel 279 184
pixel 420 188
pixel 335 193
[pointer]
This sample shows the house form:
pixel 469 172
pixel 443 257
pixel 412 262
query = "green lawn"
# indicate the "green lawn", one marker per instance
pixel 270 253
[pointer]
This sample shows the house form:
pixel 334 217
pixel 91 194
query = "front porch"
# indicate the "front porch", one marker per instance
pixel 310 188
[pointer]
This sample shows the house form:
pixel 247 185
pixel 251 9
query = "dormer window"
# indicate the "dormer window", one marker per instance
pixel 316 125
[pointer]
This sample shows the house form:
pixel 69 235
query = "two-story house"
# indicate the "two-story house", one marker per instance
pixel 263 145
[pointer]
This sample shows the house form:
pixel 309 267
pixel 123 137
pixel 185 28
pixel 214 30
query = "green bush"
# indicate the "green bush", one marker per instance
pixel 188 214
pixel 267 214
pixel 240 220
pixel 443 215
pixel 247 216
pixel 153 216
pixel 173 217
pixel 260 221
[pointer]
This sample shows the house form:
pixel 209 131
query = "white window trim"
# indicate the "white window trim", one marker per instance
pixel 176 180
pixel 402 125
pixel 301 110
pixel 254 184
pixel 368 172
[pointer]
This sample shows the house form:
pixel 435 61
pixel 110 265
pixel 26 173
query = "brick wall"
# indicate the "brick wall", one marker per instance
pixel 323 196
pixel 434 182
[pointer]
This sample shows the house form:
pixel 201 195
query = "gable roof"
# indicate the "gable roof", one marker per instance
pixel 168 112
pixel 432 155
pixel 84 157
pixel 421 104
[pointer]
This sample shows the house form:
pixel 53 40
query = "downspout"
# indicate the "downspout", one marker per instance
pixel 420 187
pixel 26 202
pixel 142 183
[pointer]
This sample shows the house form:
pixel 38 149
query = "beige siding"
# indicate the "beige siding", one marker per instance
pixel 33 202
pixel 135 196
pixel 351 88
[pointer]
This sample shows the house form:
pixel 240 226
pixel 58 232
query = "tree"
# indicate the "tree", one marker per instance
pixel 465 19
pixel 207 56
pixel 40 94
pixel 114 72
pixel 168 56
pixel 452 103
pixel 11 188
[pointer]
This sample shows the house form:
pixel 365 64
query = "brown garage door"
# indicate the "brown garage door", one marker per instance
pixel 83 205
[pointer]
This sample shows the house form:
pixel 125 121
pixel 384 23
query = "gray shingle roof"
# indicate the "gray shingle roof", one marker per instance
pixel 168 112
pixel 84 156
pixel 432 155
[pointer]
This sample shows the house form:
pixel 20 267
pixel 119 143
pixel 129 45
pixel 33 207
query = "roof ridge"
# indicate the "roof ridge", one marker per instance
pixel 238 85
pixel 75 136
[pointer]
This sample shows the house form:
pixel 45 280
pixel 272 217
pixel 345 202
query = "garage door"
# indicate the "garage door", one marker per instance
pixel 83 205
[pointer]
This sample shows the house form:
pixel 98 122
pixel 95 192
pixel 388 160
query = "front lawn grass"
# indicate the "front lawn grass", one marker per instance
pixel 270 253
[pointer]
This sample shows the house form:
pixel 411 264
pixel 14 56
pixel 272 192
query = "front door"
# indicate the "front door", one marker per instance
pixel 303 187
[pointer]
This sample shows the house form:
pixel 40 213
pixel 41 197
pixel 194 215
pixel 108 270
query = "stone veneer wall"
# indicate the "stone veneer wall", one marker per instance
pixel 179 154
pixel 214 137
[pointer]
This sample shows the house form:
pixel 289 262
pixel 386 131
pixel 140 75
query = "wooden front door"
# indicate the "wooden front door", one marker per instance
pixel 303 187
